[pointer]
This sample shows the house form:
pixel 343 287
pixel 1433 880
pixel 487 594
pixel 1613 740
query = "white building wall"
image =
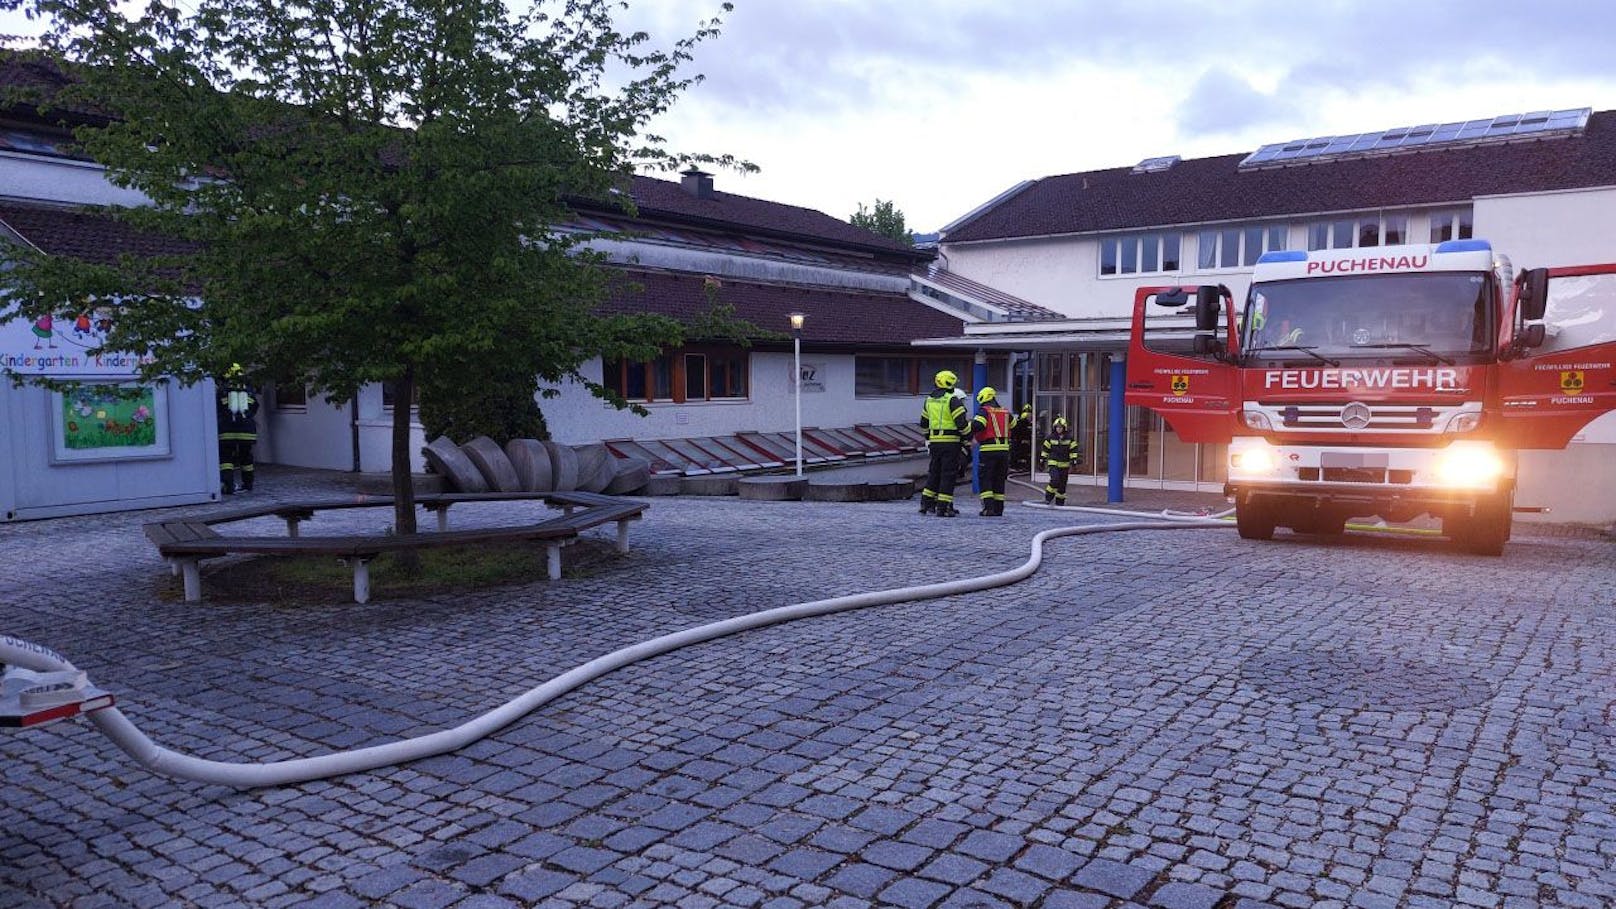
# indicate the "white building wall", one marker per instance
pixel 1063 273
pixel 321 434
pixel 59 180
pixel 576 416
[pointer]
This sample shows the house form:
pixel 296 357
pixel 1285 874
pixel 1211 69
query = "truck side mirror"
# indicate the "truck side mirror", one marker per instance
pixel 1530 335
pixel 1533 294
pixel 1208 305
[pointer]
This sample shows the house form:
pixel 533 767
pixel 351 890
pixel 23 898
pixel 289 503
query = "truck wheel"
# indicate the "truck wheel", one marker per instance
pixel 1488 529
pixel 1254 521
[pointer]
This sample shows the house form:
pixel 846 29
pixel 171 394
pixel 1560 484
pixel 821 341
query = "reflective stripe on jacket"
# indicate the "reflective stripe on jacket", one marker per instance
pixel 943 418
pixel 1061 452
pixel 991 428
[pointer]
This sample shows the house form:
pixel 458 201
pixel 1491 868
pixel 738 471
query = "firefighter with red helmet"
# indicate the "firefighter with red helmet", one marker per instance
pixel 1060 453
pixel 991 430
pixel 944 419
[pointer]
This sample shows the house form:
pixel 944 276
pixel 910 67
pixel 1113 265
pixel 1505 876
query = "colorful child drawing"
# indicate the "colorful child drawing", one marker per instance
pixel 44 330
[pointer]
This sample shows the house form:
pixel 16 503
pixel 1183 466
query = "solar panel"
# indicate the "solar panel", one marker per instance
pixel 1541 124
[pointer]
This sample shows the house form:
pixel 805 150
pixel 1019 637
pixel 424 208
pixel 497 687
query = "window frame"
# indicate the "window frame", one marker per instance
pixel 1127 254
pixel 1271 236
pixel 921 368
pixel 666 379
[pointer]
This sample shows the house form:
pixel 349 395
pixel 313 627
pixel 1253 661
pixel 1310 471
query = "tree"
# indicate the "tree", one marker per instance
pixel 370 189
pixel 884 219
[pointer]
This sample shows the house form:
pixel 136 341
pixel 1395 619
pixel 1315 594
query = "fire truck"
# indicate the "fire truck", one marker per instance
pixel 1389 382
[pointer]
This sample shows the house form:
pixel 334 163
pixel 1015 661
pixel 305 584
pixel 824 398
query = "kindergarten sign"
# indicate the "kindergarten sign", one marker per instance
pixel 63 344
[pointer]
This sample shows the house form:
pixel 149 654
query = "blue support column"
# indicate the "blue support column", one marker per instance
pixel 979 380
pixel 1117 449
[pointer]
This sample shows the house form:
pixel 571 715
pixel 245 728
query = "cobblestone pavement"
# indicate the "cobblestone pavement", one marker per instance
pixel 1172 719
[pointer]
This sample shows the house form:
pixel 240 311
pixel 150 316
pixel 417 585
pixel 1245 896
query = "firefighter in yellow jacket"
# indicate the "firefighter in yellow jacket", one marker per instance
pixel 943 417
pixel 1060 454
pixel 991 430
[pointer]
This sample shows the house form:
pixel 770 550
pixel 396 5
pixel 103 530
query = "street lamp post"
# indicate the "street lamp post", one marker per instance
pixel 797 319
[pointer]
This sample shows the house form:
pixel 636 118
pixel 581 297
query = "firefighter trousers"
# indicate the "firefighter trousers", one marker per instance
pixel 234 455
pixel 940 475
pixel 994 472
pixel 1055 491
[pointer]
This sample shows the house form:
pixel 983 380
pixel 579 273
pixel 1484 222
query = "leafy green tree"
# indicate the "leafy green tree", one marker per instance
pixel 885 219
pixel 370 189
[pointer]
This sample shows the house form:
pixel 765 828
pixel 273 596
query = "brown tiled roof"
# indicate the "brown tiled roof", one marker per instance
pixel 1215 189
pixel 664 200
pixel 863 318
pixel 31 75
pixel 83 233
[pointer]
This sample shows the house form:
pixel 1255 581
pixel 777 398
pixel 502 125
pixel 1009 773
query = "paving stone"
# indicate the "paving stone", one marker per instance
pixel 1114 878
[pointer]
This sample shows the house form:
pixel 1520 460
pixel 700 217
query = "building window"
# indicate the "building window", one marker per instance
pixel 878 376
pixel 1238 247
pixel 1139 254
pixel 1359 231
pixel 683 376
pixel 1452 224
pixel 292 398
pixel 389 396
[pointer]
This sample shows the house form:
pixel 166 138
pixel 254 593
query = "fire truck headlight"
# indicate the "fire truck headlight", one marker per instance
pixel 1469 467
pixel 1253 460
pixel 1256 419
pixel 1464 422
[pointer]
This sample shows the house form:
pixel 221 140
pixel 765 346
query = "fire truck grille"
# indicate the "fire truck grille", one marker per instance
pixel 1355 475
pixel 1349 416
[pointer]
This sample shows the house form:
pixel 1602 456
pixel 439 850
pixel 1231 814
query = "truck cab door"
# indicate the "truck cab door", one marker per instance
pixel 1185 373
pixel 1558 370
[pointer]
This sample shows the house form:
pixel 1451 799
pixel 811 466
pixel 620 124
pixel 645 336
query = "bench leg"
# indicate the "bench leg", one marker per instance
pixel 622 536
pixel 443 520
pixel 552 558
pixel 174 567
pixel 192 570
pixel 361 580
pixel 291 526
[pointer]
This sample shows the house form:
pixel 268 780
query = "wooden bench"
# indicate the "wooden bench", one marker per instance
pixel 186 542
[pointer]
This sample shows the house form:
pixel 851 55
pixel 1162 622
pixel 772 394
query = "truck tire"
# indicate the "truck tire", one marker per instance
pixel 1486 531
pixel 1255 521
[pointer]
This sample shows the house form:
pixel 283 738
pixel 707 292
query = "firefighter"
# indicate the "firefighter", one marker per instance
pixel 238 431
pixel 943 418
pixel 991 430
pixel 1060 453
pixel 1021 439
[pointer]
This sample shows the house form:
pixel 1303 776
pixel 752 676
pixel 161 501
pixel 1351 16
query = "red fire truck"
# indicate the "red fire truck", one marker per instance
pixel 1391 382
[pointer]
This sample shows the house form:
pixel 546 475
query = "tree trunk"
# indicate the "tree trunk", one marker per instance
pixel 403 487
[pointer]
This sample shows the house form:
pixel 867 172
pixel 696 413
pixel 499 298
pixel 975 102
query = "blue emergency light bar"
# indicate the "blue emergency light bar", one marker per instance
pixel 1464 246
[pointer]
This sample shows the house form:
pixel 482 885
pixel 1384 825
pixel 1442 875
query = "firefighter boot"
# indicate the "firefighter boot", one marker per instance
pixel 947 510
pixel 927 503
pixel 987 508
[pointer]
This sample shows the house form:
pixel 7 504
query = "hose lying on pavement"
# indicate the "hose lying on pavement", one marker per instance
pixel 115 725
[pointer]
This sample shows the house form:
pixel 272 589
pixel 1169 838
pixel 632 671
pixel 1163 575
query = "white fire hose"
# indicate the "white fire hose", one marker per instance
pixel 41 677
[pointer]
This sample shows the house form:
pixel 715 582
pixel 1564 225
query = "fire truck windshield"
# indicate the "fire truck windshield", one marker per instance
pixel 1429 315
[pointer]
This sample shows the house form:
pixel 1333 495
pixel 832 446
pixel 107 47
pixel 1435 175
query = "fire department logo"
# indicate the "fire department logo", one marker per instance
pixel 1355 415
pixel 1181 385
pixel 1571 381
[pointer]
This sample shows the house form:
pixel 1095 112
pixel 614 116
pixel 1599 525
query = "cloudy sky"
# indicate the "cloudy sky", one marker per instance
pixel 939 105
